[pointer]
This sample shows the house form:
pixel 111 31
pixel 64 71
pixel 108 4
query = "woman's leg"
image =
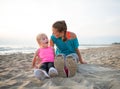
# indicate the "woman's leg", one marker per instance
pixel 59 65
pixel 71 64
pixel 75 57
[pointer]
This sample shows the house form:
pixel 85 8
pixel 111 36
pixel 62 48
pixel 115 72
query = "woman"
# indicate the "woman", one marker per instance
pixel 67 49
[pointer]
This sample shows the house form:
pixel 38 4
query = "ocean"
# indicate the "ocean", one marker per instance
pixel 8 46
pixel 9 49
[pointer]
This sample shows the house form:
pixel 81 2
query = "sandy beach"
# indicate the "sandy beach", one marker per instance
pixel 101 72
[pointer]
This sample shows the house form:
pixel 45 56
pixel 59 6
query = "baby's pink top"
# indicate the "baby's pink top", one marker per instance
pixel 46 54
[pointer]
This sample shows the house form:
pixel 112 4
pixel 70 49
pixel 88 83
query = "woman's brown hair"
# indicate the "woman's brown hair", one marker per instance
pixel 61 26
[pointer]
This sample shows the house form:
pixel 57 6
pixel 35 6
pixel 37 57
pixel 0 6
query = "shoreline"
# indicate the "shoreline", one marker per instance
pixel 7 49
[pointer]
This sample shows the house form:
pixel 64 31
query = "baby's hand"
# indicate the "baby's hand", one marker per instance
pixel 32 67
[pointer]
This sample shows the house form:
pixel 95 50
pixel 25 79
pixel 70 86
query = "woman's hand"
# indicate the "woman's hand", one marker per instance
pixel 83 62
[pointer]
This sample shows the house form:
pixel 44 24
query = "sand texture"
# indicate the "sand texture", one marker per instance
pixel 101 72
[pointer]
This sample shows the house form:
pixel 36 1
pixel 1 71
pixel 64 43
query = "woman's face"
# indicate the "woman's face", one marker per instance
pixel 56 33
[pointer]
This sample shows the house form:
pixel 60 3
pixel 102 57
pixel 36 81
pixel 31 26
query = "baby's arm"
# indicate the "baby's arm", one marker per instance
pixel 38 62
pixel 35 59
pixel 53 50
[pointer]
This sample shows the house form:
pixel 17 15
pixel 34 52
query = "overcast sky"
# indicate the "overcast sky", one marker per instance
pixel 89 19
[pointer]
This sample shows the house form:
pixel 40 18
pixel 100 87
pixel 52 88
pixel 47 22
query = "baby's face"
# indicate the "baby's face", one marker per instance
pixel 44 41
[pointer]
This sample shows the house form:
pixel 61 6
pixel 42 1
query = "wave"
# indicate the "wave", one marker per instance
pixel 9 50
pixel 31 49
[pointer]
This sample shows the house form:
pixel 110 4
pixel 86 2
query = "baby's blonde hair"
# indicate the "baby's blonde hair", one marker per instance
pixel 39 36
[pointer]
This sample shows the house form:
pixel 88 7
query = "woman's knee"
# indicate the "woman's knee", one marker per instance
pixel 74 56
